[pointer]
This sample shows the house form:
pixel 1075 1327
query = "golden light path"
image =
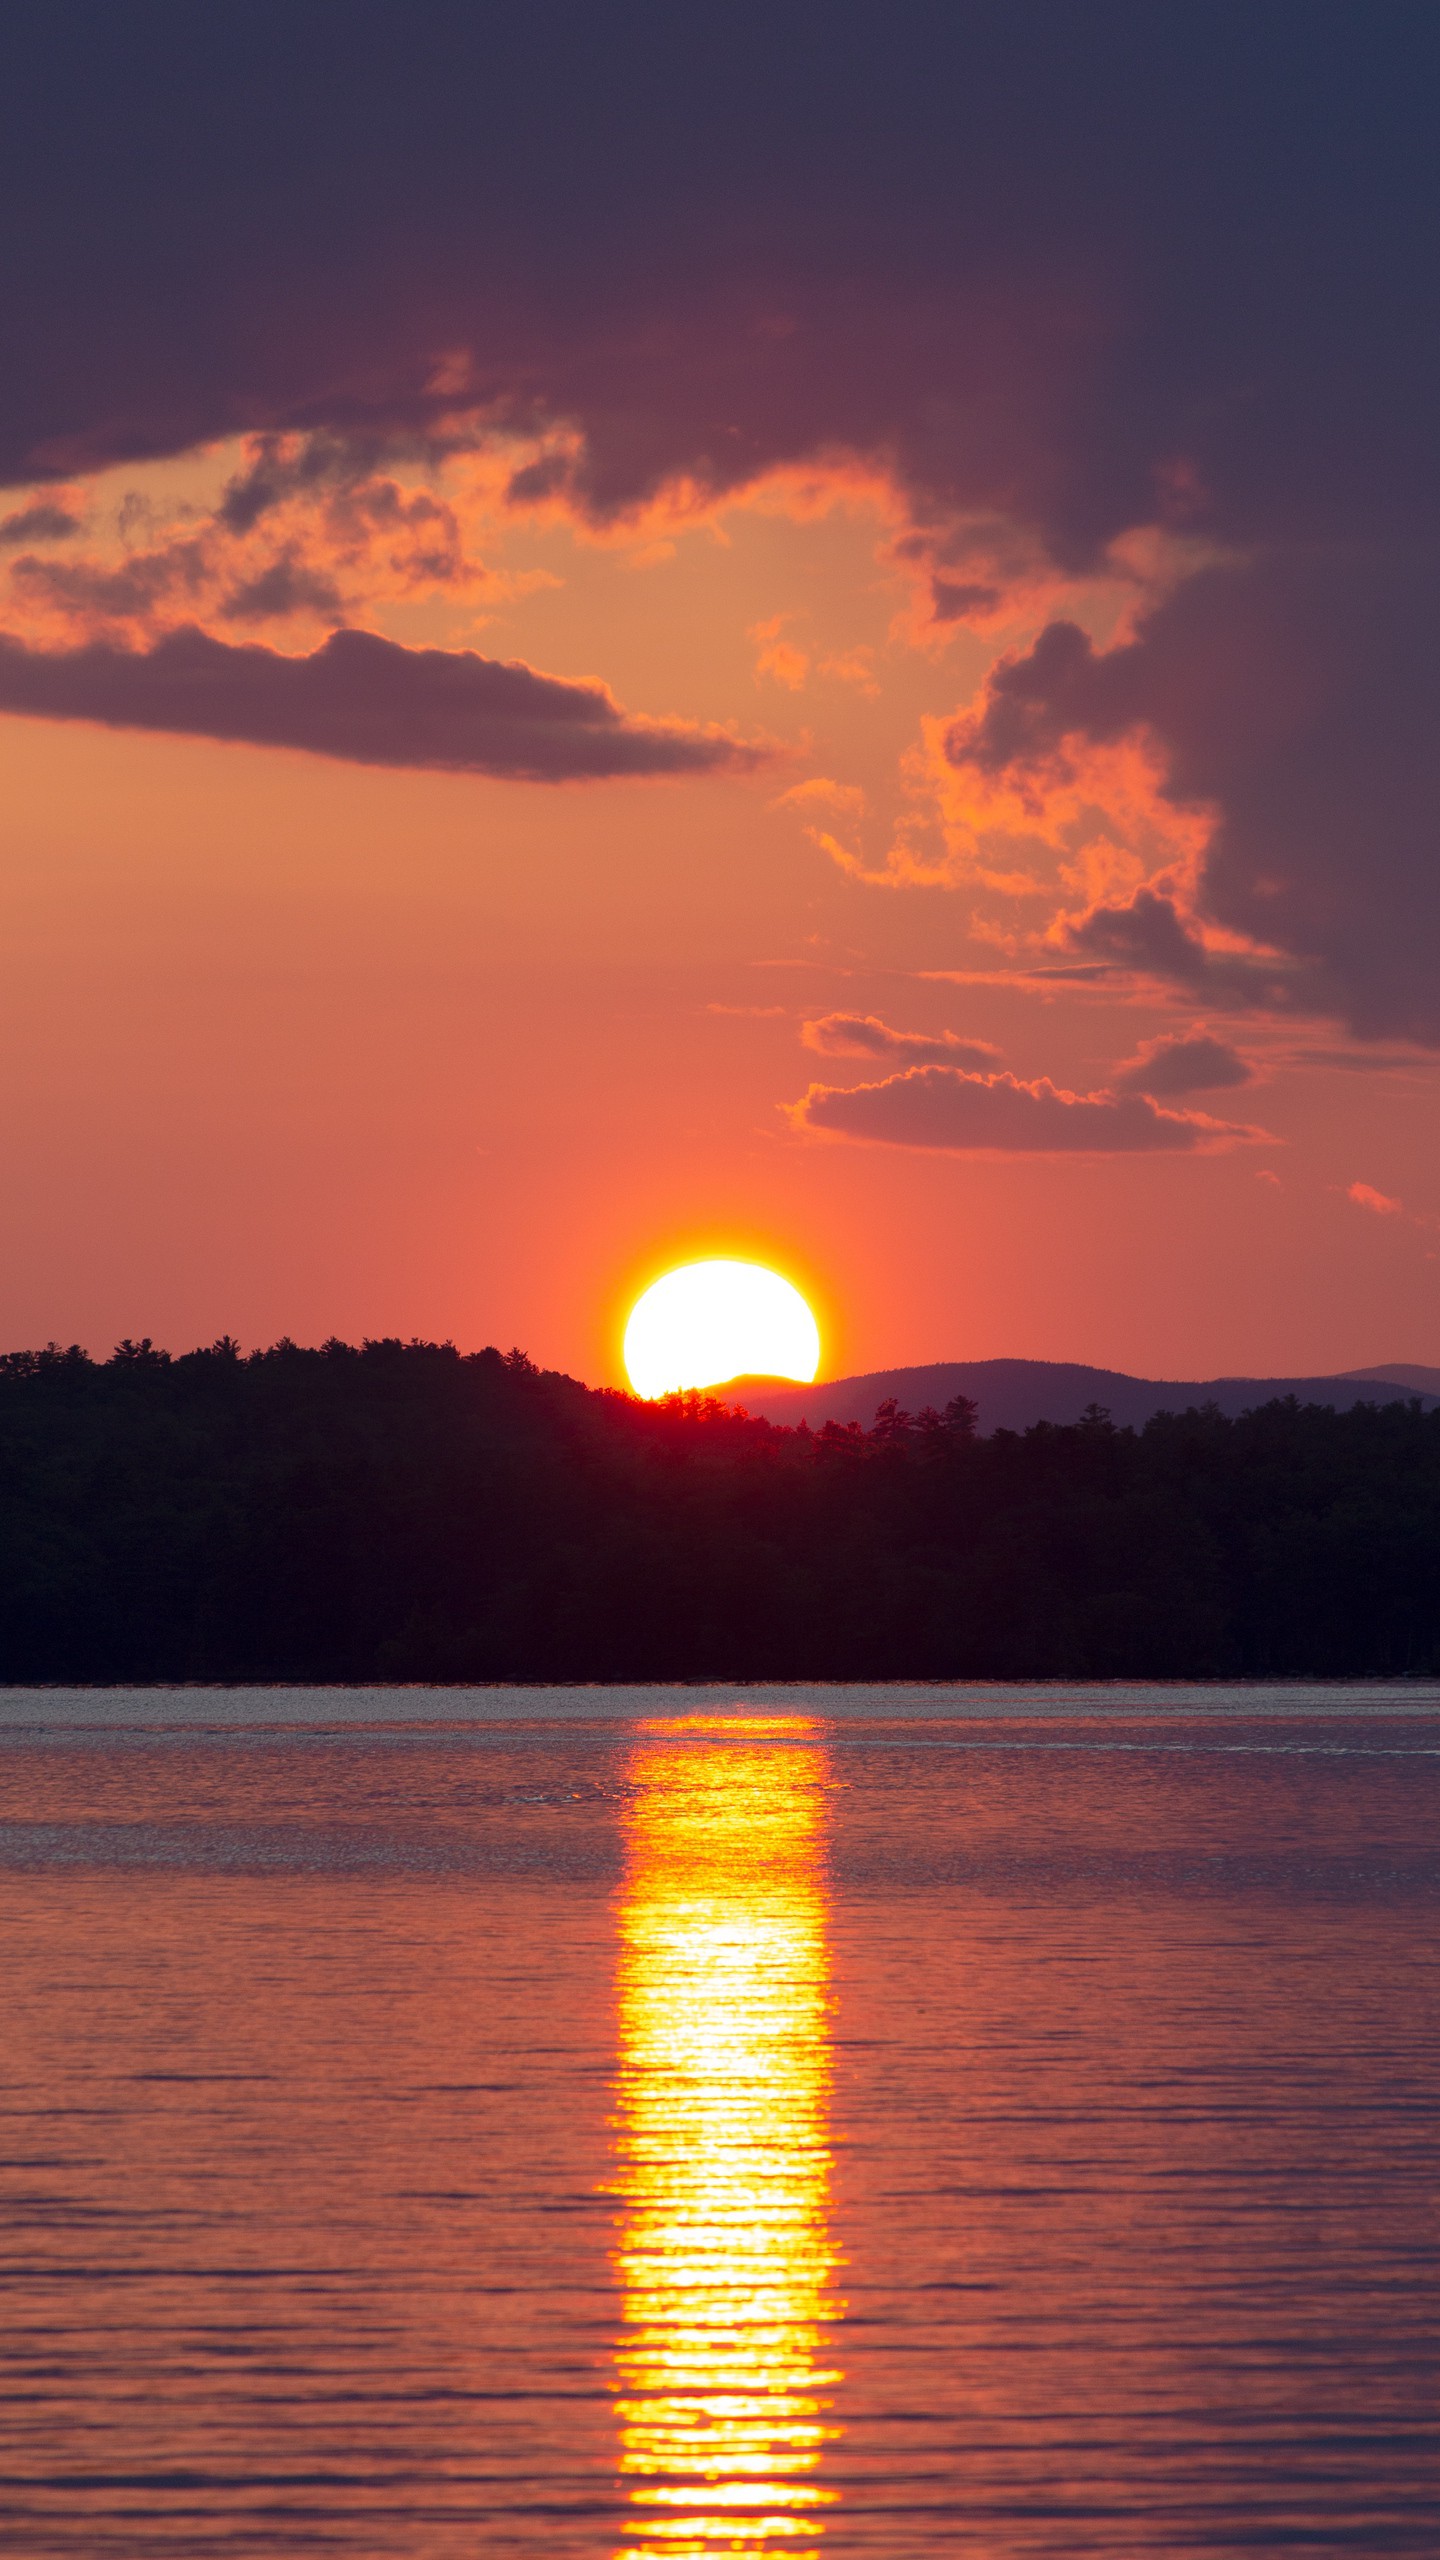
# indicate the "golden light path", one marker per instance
pixel 726 2264
pixel 708 1322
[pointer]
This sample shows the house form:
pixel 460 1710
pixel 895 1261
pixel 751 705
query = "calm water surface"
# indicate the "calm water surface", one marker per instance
pixel 608 2124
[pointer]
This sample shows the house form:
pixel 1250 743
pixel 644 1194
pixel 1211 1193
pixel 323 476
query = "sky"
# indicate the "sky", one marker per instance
pixel 804 633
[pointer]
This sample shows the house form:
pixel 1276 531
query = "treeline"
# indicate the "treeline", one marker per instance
pixel 401 1512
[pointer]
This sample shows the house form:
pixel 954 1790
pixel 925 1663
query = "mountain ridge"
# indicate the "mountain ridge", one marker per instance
pixel 1013 1395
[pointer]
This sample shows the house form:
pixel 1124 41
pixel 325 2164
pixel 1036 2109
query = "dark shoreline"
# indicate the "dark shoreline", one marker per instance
pixel 399 1513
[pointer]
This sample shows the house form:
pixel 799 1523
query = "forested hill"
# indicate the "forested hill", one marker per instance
pixel 400 1512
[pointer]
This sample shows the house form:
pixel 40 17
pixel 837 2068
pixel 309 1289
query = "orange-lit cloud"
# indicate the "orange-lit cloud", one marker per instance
pixel 951 1111
pixel 779 658
pixel 1365 1196
pixel 1206 782
pixel 1036 808
pixel 296 529
pixel 857 1035
pixel 854 667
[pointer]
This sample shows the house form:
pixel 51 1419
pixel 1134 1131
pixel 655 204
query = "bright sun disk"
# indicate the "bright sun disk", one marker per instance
pixel 713 1321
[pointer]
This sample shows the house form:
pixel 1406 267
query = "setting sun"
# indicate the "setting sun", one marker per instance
pixel 713 1321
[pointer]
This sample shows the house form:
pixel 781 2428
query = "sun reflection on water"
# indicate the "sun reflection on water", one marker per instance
pixel 725 2261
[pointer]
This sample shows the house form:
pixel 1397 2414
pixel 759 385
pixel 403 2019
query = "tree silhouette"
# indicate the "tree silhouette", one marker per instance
pixel 395 1510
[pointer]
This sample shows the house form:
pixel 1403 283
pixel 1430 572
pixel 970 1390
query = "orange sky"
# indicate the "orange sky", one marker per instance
pixel 296 1046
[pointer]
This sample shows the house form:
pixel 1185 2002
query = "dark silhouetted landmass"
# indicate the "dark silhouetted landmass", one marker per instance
pixel 1403 1373
pixel 1010 1395
pixel 402 1512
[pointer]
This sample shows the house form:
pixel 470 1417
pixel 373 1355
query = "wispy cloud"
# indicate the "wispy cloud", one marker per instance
pixel 864 1035
pixel 1379 1203
pixel 779 658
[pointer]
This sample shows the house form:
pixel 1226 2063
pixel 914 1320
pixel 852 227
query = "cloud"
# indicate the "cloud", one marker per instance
pixel 1145 932
pixel 1049 279
pixel 41 522
pixel 366 700
pixel 1378 1202
pixel 1408 1062
pixel 853 667
pixel 287 586
pixel 1192 1062
pixel 864 1035
pixel 1147 936
pixel 820 792
pixel 278 469
pixel 779 658
pixel 305 529
pixel 947 1109
pixel 1158 272
pixel 1292 700
pixel 100 595
pixel 959 600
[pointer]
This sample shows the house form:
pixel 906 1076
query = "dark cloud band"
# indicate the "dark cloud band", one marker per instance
pixel 1079 270
pixel 368 701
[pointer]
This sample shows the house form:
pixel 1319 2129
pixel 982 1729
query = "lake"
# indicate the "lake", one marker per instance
pixel 606 2123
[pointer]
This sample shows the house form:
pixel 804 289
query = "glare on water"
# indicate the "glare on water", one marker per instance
pixel 726 2264
pixel 432 2138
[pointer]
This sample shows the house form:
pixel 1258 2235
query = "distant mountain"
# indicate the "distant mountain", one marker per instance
pixel 1013 1394
pixel 1403 1373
